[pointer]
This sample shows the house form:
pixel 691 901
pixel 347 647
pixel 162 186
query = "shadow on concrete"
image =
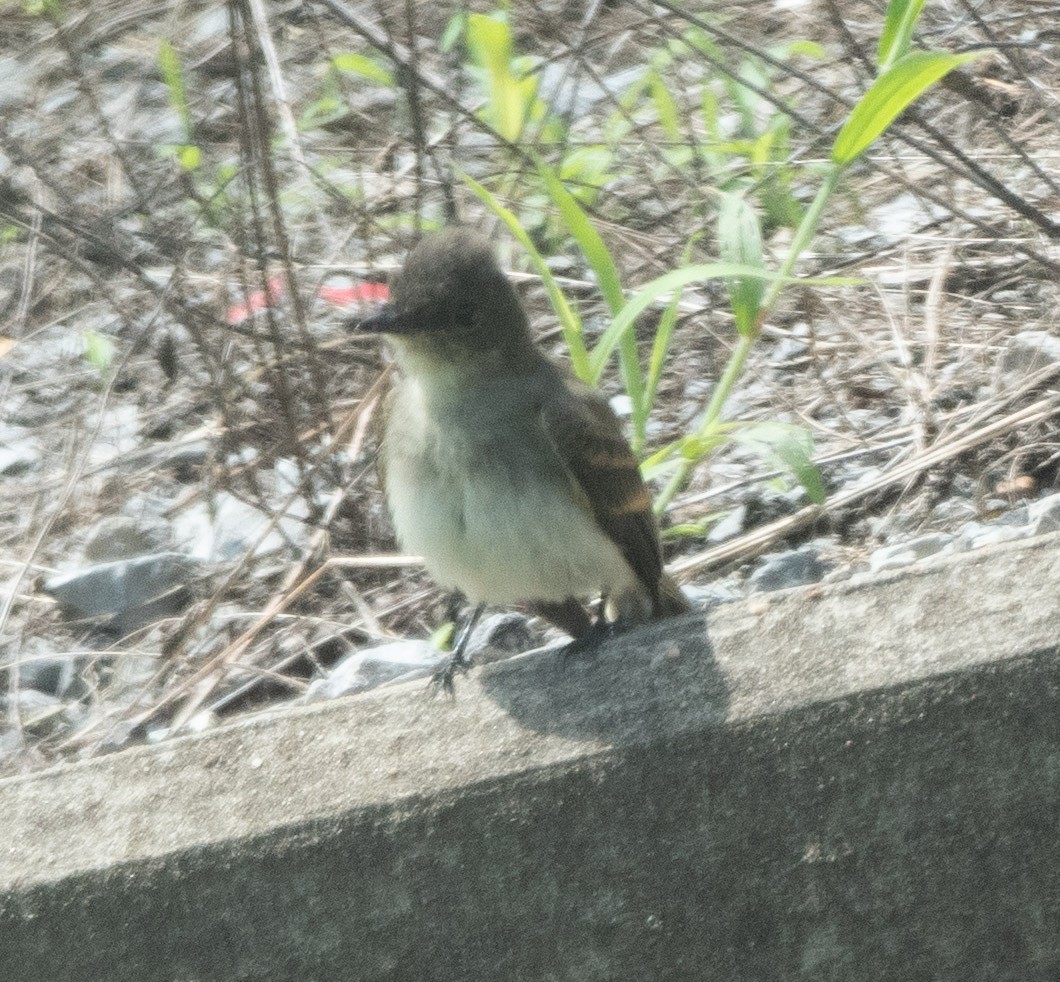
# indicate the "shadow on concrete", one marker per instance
pixel 620 693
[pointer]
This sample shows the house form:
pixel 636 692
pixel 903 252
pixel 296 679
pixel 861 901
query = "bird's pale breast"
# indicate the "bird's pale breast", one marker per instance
pixel 491 509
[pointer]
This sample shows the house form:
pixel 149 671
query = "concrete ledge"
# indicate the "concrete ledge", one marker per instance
pixel 860 782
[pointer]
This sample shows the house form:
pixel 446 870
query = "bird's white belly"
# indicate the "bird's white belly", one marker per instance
pixel 501 536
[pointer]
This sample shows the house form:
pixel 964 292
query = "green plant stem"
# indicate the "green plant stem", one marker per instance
pixel 733 370
pixel 803 235
pixel 735 365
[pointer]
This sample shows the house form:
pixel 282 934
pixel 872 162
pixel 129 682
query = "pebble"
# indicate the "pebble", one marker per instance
pixel 1044 515
pixel 788 569
pixel 498 636
pixel 905 553
pixel 370 667
pixel 131 592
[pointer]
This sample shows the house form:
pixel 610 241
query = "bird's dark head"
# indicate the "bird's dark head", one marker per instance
pixel 452 295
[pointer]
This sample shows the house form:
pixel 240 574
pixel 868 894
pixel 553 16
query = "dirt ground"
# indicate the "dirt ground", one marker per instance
pixel 196 203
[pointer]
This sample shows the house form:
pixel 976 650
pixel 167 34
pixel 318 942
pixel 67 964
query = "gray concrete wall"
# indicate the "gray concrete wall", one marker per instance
pixel 851 783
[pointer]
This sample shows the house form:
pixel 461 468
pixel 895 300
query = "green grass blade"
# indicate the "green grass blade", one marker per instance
pixel 364 66
pixel 787 446
pixel 599 258
pixel 898 25
pixel 589 241
pixel 173 77
pixel 490 41
pixel 893 91
pixel 740 241
pixel 674 280
pixel 664 335
pixel 569 323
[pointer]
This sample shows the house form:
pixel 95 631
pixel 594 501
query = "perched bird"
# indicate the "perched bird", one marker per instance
pixel 510 477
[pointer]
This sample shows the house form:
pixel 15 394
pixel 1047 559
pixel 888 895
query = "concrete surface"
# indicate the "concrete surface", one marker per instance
pixel 860 782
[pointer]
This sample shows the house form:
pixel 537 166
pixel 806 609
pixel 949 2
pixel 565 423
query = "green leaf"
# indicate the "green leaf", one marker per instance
pixel 169 65
pixel 189 156
pixel 787 446
pixel 660 348
pixel 589 241
pixel 322 111
pixel 510 98
pixel 41 8
pixel 676 279
pixel 588 169
pixel 740 242
pixel 364 66
pixel 568 320
pixel 665 106
pixel 99 350
pixel 808 49
pixel 442 636
pixel 693 530
pixel 664 332
pixel 607 278
pixel 893 91
pixel 454 30
pixel 898 25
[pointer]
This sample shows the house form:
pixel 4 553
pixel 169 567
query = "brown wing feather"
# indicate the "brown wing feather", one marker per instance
pixel 588 438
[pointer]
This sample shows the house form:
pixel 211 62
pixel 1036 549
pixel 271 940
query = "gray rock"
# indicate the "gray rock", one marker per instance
pixel 905 553
pixel 1044 514
pixel 577 96
pixel 199 723
pixel 728 526
pixel 975 535
pixel 893 524
pixel 1019 516
pixel 498 636
pixel 12 740
pixel 40 667
pixel 19 453
pixel 17 77
pixel 394 662
pixel 708 596
pixel 130 592
pixel 788 569
pixel 132 674
pixel 114 538
pixel 1029 350
pixel 786 350
pixel 118 433
pixel 190 455
pixel 895 217
pixel 953 510
pixel 36 710
pixel 226 529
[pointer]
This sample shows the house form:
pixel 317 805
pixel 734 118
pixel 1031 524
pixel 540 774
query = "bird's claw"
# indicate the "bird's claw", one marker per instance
pixel 442 678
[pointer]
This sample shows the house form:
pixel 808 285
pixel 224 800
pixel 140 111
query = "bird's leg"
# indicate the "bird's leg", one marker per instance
pixel 460 648
pixel 569 615
pixel 458 660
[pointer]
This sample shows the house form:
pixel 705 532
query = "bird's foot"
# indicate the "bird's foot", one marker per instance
pixel 442 678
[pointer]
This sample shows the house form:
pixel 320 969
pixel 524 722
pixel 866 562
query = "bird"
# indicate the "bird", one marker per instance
pixel 509 476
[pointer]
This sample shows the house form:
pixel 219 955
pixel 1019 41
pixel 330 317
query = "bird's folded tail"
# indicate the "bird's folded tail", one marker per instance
pixel 671 601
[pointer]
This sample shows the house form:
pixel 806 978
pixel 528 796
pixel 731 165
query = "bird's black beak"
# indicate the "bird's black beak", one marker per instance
pixel 387 321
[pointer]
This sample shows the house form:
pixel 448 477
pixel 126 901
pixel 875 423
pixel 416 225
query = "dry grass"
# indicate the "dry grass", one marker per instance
pixel 108 235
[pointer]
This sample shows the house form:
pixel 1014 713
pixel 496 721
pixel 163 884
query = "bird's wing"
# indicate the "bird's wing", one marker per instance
pixel 588 438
